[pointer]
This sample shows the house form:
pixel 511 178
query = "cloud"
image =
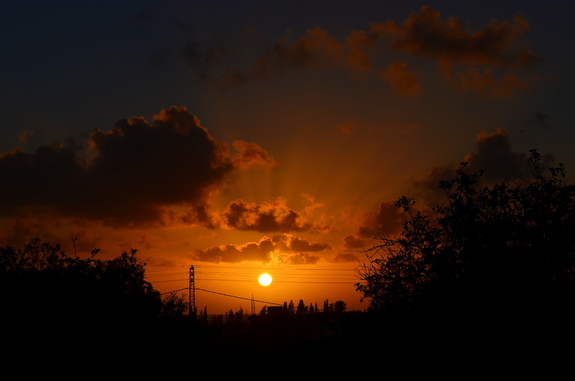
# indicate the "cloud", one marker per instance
pixel 130 174
pixel 313 50
pixel 353 242
pixel 251 154
pixel 272 216
pixel 301 245
pixel 297 250
pixel 285 249
pixel 494 156
pixel 252 251
pixel 345 258
pixel 491 56
pixel 451 42
pixel 402 81
pixel 486 84
pixel 387 219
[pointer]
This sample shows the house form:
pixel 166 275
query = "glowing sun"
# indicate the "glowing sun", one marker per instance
pixel 265 279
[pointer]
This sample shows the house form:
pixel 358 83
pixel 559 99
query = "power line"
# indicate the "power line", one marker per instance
pixel 169 292
pixel 220 293
pixel 239 297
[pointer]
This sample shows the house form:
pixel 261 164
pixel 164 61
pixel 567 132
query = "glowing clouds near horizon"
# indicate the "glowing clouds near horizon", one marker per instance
pixel 265 279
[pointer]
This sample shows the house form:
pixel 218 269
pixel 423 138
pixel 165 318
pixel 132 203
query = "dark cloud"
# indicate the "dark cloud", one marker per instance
pixel 273 216
pixel 303 245
pixel 367 225
pixel 494 157
pixel 129 174
pixel 353 242
pixel 485 83
pixel 252 251
pixel 452 44
pixel 388 219
pixel 403 81
pixel 499 44
pixel 427 187
pixel 345 258
pixel 279 249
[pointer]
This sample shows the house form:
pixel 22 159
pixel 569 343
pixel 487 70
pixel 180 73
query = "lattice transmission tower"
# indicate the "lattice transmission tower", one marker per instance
pixel 192 292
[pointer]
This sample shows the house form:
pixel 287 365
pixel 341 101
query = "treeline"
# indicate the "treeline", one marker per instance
pixel 240 319
pixel 302 309
pixel 43 290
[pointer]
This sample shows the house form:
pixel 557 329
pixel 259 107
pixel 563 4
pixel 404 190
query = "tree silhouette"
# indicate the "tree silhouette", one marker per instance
pixel 507 247
pixel 45 291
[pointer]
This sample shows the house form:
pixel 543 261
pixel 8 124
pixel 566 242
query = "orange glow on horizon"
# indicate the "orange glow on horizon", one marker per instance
pixel 312 284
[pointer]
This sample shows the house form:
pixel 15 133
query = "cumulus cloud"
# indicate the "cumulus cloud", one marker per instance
pixel 274 216
pixel 129 174
pixel 494 156
pixel 450 43
pixel 271 216
pixel 367 225
pixel 284 248
pixel 252 251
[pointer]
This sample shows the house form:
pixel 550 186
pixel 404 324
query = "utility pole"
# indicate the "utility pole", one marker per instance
pixel 253 306
pixel 192 292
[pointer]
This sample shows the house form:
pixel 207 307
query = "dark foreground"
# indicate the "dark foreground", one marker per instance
pixel 351 345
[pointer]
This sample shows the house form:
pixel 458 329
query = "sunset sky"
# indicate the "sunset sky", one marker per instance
pixel 244 137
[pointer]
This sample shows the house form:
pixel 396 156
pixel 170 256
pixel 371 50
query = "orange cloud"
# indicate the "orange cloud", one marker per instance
pixel 251 154
pixel 279 249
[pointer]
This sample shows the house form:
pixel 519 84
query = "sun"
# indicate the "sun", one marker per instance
pixel 265 279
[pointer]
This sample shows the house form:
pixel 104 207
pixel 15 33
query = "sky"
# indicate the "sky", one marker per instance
pixel 244 137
